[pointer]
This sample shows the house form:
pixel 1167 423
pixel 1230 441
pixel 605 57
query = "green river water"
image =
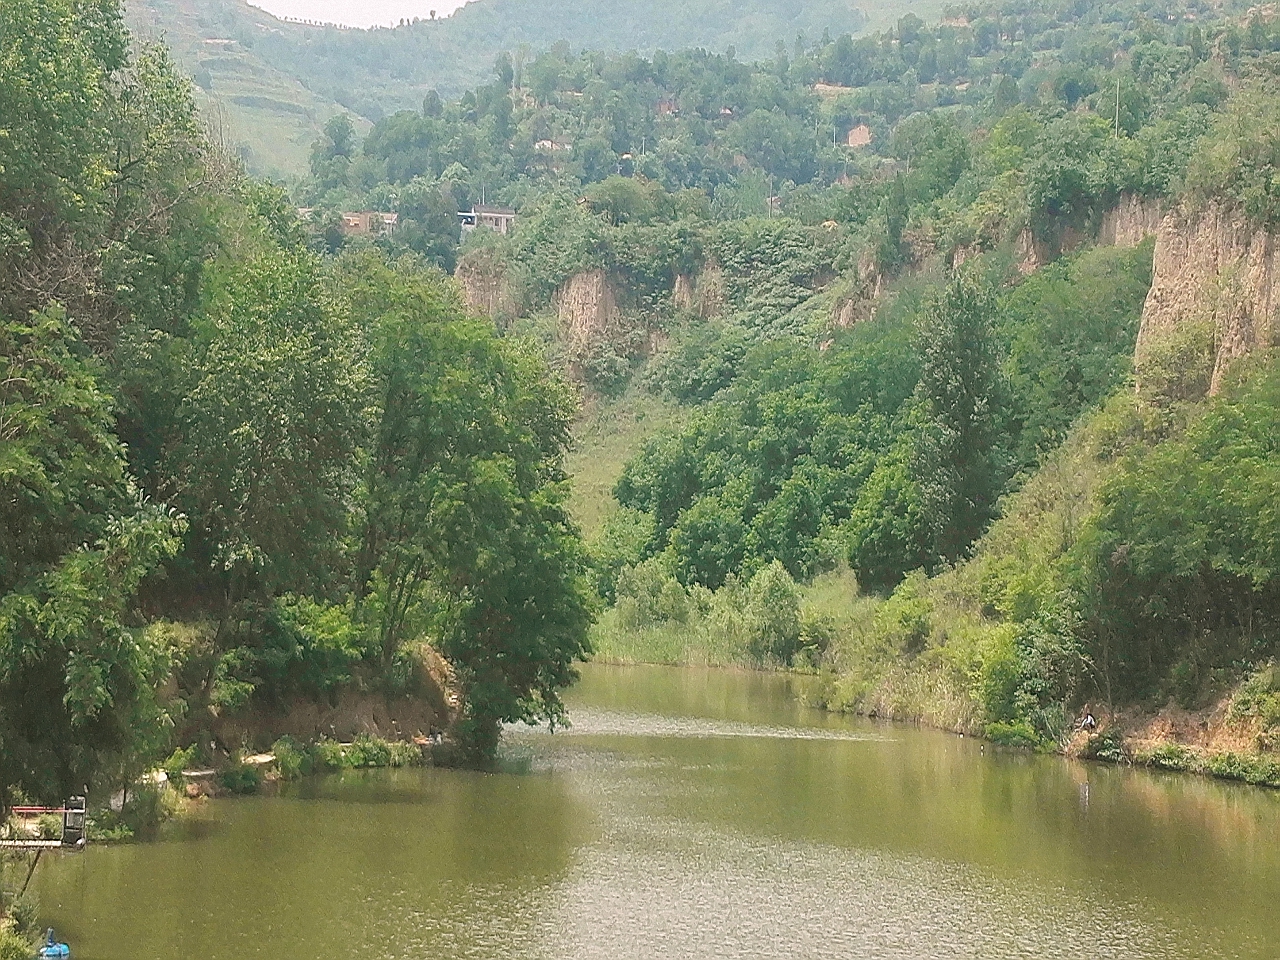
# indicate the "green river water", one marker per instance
pixel 696 813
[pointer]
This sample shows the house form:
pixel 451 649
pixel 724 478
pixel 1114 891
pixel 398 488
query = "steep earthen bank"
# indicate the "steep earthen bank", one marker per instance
pixel 701 294
pixel 1213 300
pixel 348 712
pixel 587 308
pixel 486 287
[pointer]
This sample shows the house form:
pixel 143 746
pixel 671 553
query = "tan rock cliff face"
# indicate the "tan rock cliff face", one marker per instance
pixel 486 289
pixel 588 310
pixel 1130 221
pixel 702 295
pixel 1214 273
pixel 682 294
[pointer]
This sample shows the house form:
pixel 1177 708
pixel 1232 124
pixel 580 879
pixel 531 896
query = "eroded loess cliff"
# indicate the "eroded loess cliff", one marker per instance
pixel 486 286
pixel 1213 299
pixel 702 294
pixel 588 310
pixel 1130 221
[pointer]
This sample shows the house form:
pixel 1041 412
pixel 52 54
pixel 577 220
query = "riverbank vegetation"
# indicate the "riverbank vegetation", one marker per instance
pixel 237 475
pixel 254 462
pixel 1032 537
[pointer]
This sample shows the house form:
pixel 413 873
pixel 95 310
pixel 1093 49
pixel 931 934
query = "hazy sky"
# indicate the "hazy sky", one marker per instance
pixel 358 13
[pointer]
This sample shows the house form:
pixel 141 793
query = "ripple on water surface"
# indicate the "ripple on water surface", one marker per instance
pixel 725 827
pixel 587 722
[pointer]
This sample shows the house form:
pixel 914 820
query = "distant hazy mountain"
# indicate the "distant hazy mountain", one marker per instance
pixel 275 82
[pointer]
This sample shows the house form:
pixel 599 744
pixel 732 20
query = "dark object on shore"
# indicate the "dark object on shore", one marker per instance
pixel 73 816
pixel 52 950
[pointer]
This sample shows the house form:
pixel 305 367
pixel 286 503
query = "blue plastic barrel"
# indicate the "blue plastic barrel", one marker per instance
pixel 52 950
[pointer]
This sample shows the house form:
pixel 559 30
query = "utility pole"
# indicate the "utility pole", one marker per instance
pixel 1117 134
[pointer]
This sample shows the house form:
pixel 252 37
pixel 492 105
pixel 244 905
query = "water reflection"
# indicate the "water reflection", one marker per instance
pixel 703 813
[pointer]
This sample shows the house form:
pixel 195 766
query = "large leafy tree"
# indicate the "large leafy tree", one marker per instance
pixel 77 679
pixel 959 462
pixel 1181 566
pixel 62 470
pixel 100 155
pixel 464 530
pixel 269 423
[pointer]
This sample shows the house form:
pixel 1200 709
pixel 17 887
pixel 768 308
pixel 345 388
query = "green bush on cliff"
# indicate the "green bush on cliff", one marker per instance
pixel 1237 159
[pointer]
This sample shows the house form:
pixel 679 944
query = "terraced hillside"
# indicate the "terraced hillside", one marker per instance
pixel 267 114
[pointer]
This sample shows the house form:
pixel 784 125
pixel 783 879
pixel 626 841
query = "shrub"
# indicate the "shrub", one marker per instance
pixel 105 826
pixel 1108 746
pixel 368 751
pixel 49 826
pixel 1259 696
pixel 291 760
pixel 1261 771
pixel 773 615
pixel 181 760
pixel 240 779
pixel 151 804
pixel 405 754
pixel 327 754
pixel 13 945
pixel 25 912
pixel 1016 734
pixel 1171 756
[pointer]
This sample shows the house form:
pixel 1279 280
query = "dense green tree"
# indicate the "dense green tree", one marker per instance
pixel 1070 330
pixel 464 535
pixel 1179 568
pixel 62 470
pixel 773 612
pixel 268 425
pixel 888 528
pixel 959 460
pixel 77 679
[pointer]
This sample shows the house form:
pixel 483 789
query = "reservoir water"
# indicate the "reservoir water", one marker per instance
pixel 694 813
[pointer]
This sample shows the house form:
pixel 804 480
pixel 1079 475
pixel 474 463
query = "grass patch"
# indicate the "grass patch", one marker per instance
pixel 667 643
pixel 605 438
pixel 1254 769
pixel 295 760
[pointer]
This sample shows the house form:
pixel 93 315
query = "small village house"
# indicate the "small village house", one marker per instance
pixel 498 219
pixel 368 222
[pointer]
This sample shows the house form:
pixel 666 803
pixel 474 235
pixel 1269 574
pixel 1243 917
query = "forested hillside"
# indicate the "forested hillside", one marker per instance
pixel 894 282
pixel 274 83
pixel 236 475
pixel 940 361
